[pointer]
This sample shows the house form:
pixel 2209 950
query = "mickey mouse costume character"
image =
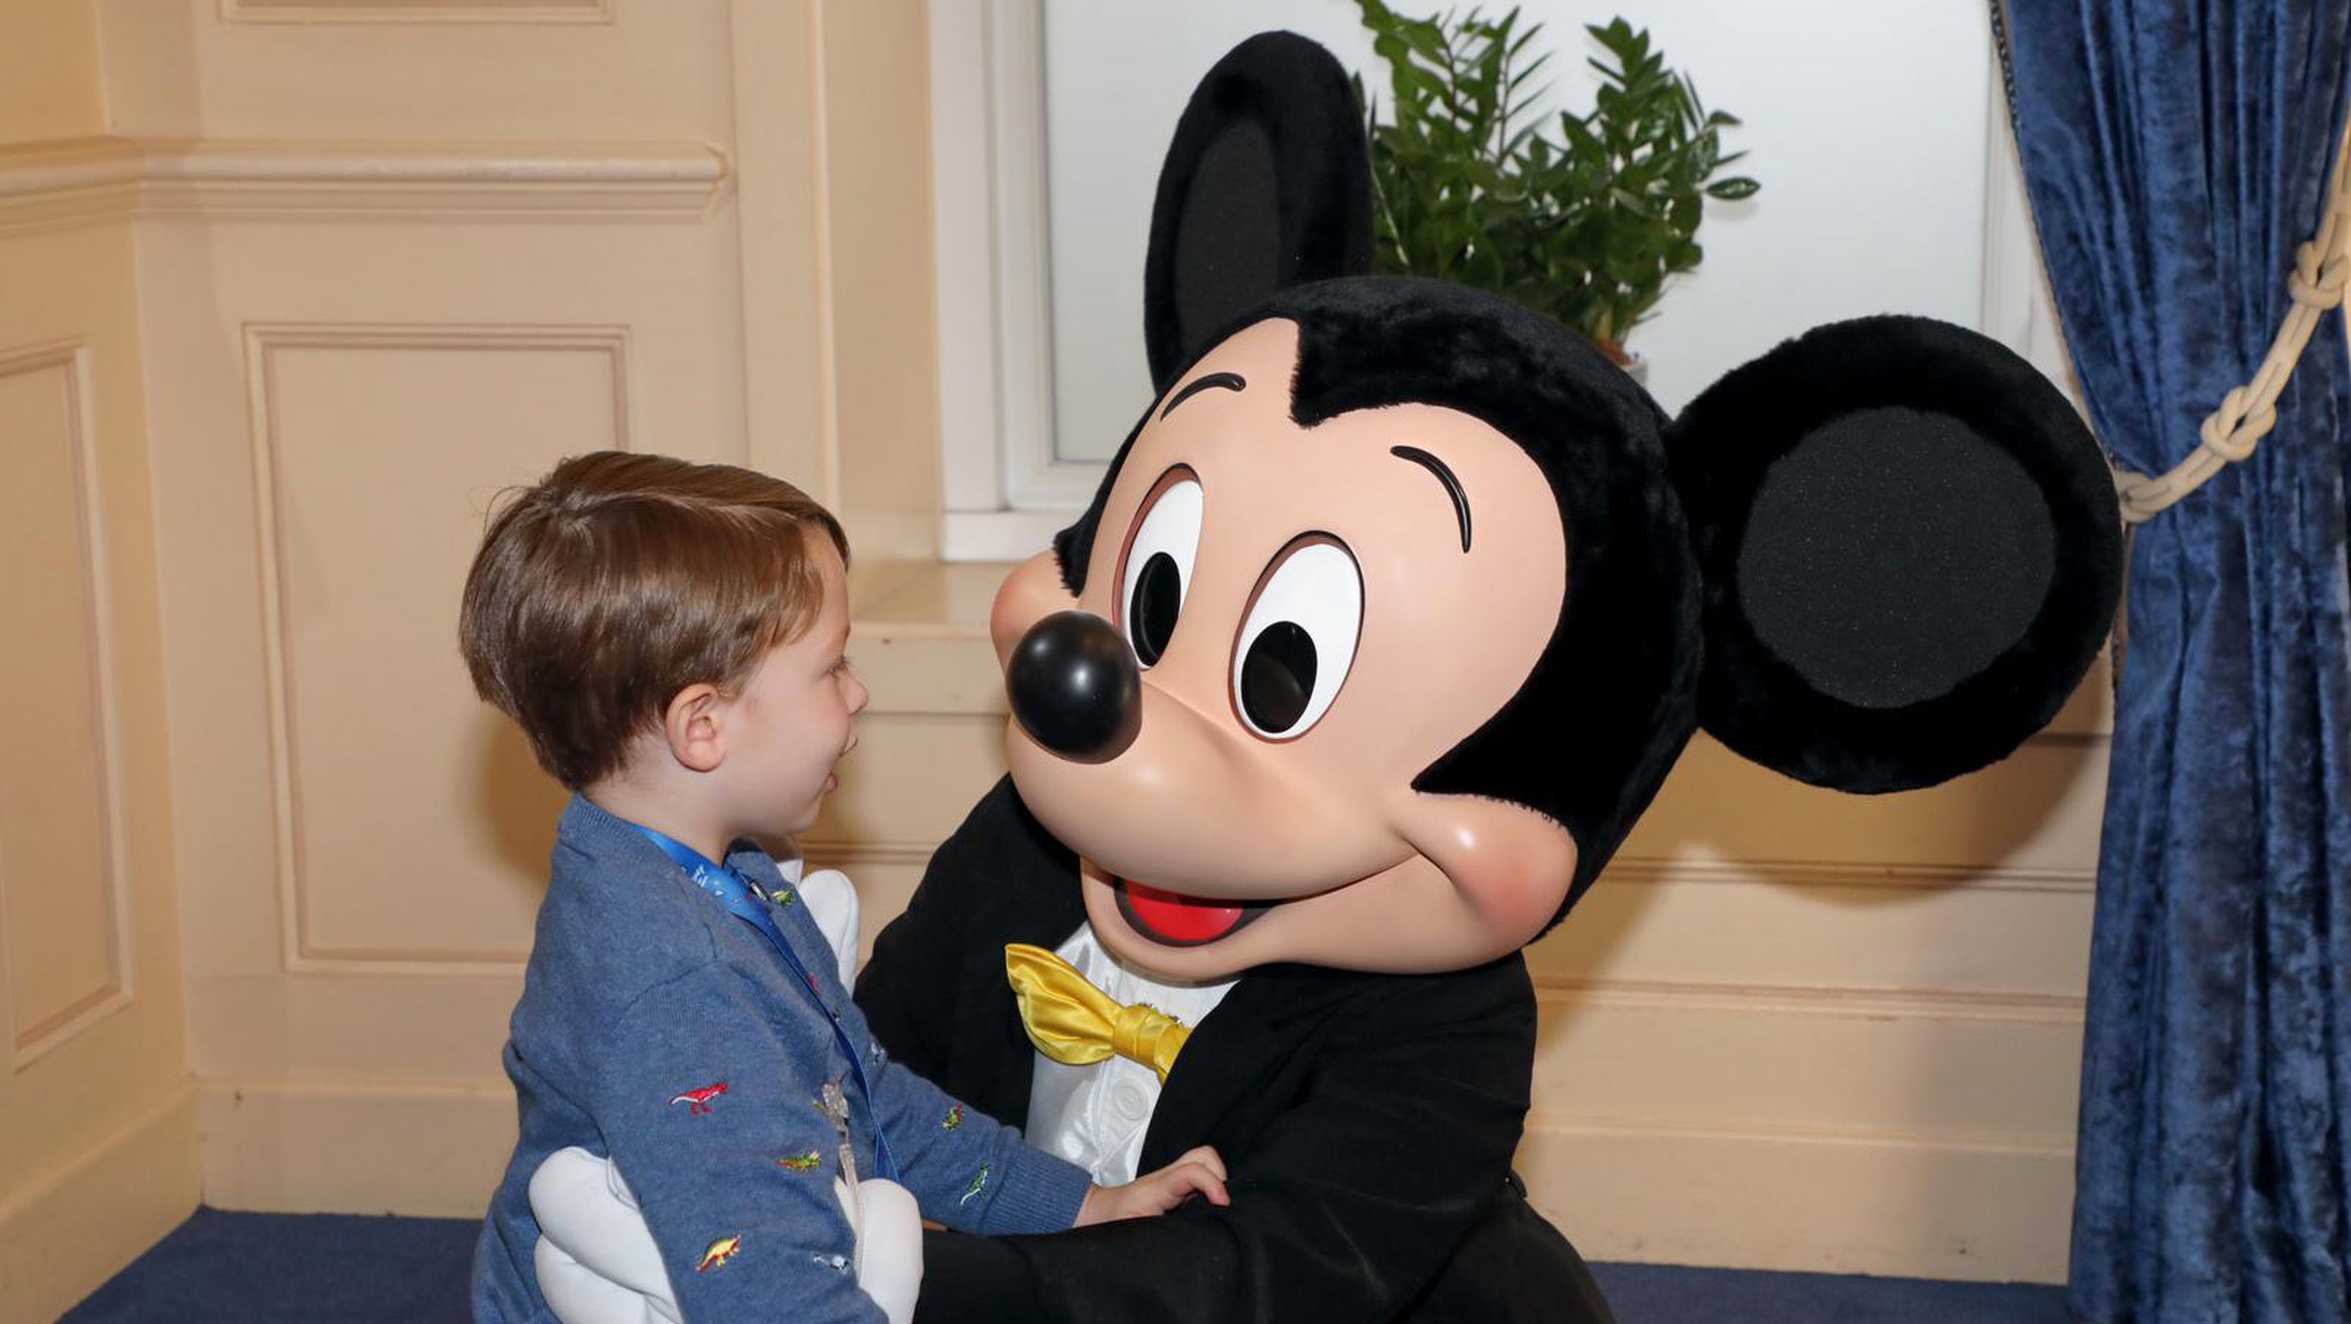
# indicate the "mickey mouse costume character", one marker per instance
pixel 1388 621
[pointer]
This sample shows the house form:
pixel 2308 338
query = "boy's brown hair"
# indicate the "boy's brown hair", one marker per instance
pixel 619 580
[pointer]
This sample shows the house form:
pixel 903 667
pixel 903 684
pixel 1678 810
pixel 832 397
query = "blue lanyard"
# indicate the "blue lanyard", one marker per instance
pixel 731 891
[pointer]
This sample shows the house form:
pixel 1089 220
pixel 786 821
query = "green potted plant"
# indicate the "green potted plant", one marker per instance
pixel 1587 227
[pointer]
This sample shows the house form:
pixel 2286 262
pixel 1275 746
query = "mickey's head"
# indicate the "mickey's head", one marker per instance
pixel 1400 601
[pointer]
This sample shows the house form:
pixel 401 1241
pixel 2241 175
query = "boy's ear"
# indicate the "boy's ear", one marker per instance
pixel 1910 547
pixel 1267 184
pixel 694 729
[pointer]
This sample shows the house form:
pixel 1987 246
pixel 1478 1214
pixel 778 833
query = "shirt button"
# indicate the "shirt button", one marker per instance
pixel 1129 1102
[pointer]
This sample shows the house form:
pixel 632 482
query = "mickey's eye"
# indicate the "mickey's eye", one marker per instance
pixel 1299 640
pixel 1158 569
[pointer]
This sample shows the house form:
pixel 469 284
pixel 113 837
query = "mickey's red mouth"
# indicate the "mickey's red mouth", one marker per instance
pixel 1174 920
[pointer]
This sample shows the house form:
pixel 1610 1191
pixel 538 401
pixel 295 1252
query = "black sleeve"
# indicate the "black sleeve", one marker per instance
pixel 1345 1208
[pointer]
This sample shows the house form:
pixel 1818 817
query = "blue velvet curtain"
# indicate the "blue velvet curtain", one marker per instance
pixel 2176 153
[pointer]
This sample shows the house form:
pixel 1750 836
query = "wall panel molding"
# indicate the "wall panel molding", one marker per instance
pixel 1907 1003
pixel 327 12
pixel 1625 1128
pixel 71 359
pixel 81 181
pixel 96 181
pixel 1848 873
pixel 299 952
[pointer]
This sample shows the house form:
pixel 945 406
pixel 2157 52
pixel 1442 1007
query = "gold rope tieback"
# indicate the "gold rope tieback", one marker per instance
pixel 2247 413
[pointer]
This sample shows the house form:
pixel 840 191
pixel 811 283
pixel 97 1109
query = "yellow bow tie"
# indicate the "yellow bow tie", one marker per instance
pixel 1074 1023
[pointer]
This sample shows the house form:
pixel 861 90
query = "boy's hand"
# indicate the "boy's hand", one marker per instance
pixel 1198 1172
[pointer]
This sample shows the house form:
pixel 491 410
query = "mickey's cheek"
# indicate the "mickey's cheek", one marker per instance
pixel 1510 866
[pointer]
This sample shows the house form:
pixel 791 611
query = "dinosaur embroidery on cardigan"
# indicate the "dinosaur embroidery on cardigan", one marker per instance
pixel 698 1101
pixel 721 1250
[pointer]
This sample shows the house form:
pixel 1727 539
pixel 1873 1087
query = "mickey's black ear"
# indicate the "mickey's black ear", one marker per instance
pixel 1911 552
pixel 1267 185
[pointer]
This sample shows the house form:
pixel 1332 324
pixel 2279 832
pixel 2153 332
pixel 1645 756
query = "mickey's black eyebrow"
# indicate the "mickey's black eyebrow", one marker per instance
pixel 1230 381
pixel 1445 476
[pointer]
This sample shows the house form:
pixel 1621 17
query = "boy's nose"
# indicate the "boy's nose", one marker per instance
pixel 1074 687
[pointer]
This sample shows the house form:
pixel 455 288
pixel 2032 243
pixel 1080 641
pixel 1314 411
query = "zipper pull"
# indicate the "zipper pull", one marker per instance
pixel 836 1107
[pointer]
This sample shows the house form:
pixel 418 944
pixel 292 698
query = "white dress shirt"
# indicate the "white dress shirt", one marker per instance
pixel 1095 1115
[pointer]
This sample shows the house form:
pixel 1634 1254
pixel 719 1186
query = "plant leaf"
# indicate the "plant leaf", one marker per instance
pixel 1587 223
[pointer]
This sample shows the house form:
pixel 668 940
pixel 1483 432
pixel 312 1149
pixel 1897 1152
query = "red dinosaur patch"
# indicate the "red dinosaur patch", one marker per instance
pixel 698 1101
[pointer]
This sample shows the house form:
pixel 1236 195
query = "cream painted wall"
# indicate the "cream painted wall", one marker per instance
pixel 881 288
pixel 49 73
pixel 357 366
pixel 385 258
pixel 98 1152
pixel 364 843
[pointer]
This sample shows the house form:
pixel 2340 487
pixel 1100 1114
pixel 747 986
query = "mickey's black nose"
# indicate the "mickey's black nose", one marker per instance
pixel 1075 688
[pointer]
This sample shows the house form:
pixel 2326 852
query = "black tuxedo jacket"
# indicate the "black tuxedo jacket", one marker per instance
pixel 1367 1122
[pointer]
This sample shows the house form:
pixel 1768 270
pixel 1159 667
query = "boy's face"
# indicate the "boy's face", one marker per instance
pixel 794 718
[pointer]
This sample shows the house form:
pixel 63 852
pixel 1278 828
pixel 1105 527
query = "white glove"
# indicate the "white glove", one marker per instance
pixel 889 1244
pixel 832 902
pixel 597 1263
pixel 596 1259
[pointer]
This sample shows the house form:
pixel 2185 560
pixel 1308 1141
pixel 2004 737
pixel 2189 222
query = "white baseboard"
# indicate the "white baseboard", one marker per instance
pixel 69 1231
pixel 356 1147
pixel 1984 1209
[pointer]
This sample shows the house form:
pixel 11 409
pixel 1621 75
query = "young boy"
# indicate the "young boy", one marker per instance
pixel 669 637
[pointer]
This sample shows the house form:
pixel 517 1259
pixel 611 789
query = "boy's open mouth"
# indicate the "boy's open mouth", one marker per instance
pixel 1174 920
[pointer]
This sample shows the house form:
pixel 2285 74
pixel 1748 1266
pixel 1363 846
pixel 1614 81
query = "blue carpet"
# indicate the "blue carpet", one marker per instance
pixel 341 1269
pixel 293 1269
pixel 1663 1294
